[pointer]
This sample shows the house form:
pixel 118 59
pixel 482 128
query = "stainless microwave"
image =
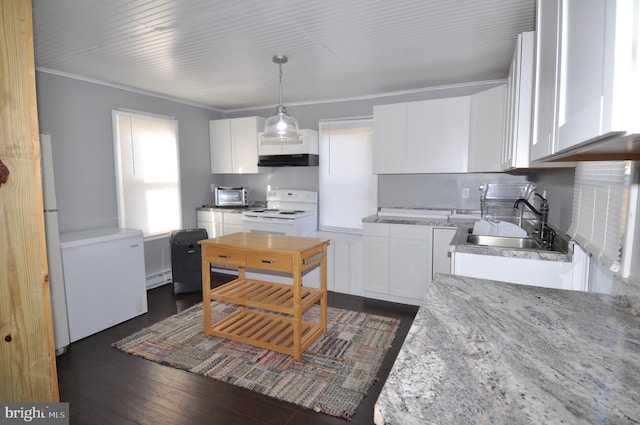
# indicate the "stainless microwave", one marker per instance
pixel 230 196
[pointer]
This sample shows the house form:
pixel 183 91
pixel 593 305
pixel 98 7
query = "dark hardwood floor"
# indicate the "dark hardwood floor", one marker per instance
pixel 106 386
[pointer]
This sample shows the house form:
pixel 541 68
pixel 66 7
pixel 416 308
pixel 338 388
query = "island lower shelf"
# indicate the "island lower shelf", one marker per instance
pixel 266 330
pixel 265 295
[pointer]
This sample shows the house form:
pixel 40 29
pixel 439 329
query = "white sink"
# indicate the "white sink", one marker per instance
pixel 498 228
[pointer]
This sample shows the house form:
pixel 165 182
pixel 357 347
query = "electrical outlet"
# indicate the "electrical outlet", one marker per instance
pixel 465 193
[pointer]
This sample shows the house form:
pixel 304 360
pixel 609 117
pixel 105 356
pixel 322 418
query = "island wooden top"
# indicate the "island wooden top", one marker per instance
pixel 263 241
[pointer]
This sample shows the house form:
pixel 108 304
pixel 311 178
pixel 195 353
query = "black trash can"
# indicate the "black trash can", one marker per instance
pixel 186 260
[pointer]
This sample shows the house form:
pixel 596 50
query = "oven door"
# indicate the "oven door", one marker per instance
pixel 274 226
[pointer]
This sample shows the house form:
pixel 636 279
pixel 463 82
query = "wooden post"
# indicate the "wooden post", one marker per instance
pixel 27 354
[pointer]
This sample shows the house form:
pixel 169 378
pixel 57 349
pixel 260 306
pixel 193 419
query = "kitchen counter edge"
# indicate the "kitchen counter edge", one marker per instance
pixel 481 351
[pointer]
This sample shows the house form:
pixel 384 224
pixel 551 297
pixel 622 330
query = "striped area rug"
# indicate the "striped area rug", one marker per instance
pixel 332 377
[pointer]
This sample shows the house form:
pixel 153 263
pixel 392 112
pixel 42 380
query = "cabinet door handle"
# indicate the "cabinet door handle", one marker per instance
pixel 269 261
pixel 223 256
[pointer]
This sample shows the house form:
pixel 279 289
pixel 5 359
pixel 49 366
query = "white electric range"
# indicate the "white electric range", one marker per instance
pixel 288 212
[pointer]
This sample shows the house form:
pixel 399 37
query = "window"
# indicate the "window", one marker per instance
pixel 348 187
pixel 600 206
pixel 147 172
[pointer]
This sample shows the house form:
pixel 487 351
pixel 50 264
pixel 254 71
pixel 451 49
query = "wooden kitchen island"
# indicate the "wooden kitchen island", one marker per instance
pixel 269 314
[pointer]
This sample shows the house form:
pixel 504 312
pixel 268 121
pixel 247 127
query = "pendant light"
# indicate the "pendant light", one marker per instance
pixel 281 128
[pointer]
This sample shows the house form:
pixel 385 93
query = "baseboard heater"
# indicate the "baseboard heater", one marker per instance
pixel 159 279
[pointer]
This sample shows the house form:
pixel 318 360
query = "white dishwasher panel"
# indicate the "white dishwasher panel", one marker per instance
pixel 104 278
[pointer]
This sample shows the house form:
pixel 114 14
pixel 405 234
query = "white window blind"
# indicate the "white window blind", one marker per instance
pixel 147 173
pixel 348 187
pixel 599 209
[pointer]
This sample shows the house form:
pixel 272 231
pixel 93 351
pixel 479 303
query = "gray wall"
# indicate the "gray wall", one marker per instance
pixel 558 185
pixel 305 178
pixel 77 114
pixel 438 190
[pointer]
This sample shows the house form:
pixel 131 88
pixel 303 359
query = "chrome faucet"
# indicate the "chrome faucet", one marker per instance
pixel 545 233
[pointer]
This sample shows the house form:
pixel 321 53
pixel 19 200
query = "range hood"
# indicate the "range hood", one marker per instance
pixel 303 154
pixel 288 160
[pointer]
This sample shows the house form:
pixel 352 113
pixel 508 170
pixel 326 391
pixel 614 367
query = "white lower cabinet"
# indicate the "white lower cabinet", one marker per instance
pixel 375 257
pixel 409 260
pixel 440 253
pixel 211 221
pixel 398 260
pixel 232 223
pixel 344 262
pixel 218 223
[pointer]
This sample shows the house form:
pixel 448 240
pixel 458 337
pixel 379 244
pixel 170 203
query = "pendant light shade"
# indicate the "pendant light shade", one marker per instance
pixel 281 128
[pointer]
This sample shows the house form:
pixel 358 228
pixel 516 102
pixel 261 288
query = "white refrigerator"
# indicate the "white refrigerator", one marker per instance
pixel 54 257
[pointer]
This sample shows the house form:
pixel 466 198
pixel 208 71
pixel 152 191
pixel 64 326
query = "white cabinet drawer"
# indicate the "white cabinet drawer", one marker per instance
pixel 409 231
pixel 232 218
pixel 209 216
pixel 375 229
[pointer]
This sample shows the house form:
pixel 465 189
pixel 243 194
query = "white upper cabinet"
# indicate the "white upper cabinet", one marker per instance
pixel 438 135
pixel 599 70
pixel 430 136
pixel 220 146
pixel 587 75
pixel 486 129
pixel 390 138
pixel 547 51
pixel 234 145
pixel 517 129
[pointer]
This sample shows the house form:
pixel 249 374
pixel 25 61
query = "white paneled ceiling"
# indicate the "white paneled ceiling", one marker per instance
pixel 218 52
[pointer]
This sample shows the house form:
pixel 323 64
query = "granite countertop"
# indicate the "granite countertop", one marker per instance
pixel 459 244
pixel 439 222
pixel 226 209
pixel 486 352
